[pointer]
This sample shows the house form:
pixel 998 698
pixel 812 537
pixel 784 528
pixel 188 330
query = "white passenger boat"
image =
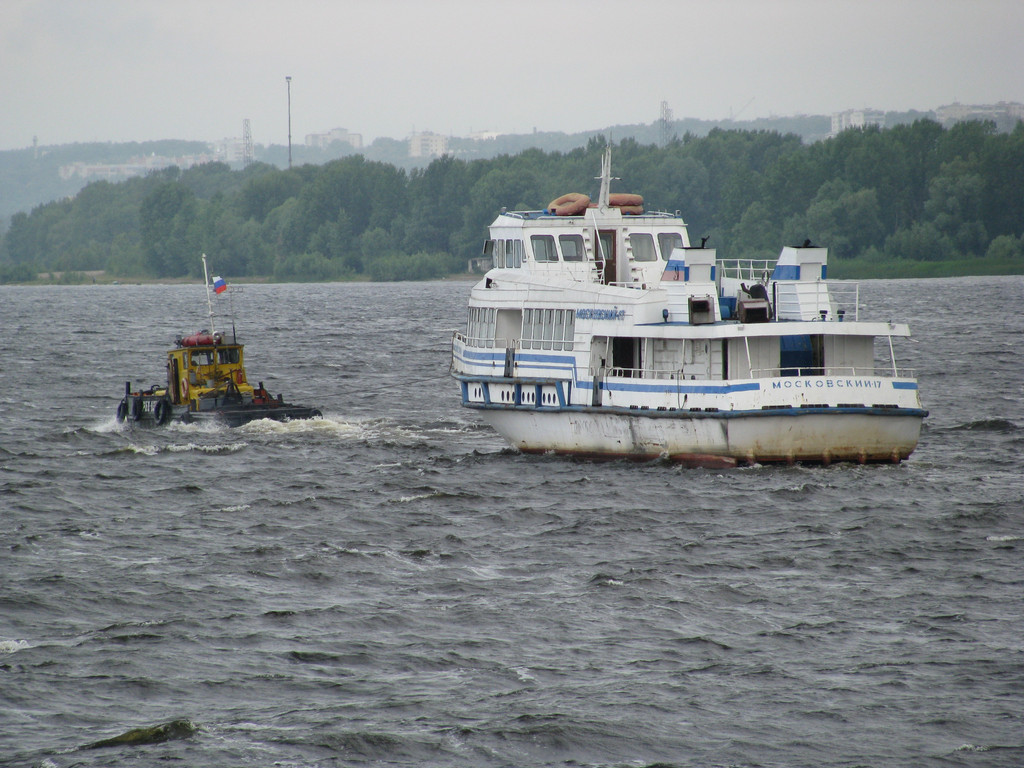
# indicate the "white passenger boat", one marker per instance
pixel 601 331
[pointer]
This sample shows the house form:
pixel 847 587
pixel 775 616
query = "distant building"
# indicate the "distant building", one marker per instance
pixel 1005 112
pixel 324 140
pixel 137 166
pixel 230 151
pixel 856 118
pixel 427 144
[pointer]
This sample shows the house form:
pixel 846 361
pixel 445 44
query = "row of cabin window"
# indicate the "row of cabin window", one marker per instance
pixel 505 254
pixel 480 331
pixel 508 254
pixel 548 329
pixel 542 328
pixel 205 356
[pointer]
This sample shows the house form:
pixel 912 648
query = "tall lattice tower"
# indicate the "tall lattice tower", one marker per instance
pixel 247 151
pixel 665 123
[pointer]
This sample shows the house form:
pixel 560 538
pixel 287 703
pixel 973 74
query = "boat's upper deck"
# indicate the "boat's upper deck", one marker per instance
pixel 603 245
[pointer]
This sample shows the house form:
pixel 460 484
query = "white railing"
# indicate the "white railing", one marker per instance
pixel 637 373
pixel 486 342
pixel 805 300
pixel 759 373
pixel 810 370
pixel 747 270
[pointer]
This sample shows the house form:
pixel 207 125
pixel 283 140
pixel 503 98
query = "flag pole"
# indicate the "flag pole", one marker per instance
pixel 209 304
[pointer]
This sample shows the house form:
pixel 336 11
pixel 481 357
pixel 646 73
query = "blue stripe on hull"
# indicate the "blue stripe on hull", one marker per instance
pixel 677 413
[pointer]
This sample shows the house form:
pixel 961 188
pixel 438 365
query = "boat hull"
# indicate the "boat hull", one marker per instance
pixel 714 439
pixel 153 411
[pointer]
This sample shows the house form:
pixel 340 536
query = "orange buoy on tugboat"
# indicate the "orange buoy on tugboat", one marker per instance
pixel 206 381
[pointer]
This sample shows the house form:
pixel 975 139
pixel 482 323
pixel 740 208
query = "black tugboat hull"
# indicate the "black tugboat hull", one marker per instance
pixel 236 417
pixel 156 411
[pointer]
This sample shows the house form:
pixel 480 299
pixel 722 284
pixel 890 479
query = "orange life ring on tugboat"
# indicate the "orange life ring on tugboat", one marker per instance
pixel 198 340
pixel 572 204
pixel 239 378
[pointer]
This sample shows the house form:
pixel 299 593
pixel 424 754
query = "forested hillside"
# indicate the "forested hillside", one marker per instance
pixel 885 202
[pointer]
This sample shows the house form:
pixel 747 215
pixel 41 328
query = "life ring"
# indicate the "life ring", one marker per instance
pixel 239 377
pixel 625 200
pixel 572 204
pixel 198 340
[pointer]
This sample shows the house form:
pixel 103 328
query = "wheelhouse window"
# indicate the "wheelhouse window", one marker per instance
pixel 643 247
pixel 499 254
pixel 668 242
pixel 572 247
pixel 229 355
pixel 543 247
pixel 517 253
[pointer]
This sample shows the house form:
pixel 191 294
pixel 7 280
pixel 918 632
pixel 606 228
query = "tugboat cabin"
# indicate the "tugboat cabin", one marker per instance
pixel 205 372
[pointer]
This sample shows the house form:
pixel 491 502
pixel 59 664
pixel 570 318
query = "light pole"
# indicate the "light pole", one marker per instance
pixel 288 79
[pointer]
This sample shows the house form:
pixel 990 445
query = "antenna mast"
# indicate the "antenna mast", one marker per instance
pixel 665 123
pixel 209 303
pixel 605 177
pixel 247 149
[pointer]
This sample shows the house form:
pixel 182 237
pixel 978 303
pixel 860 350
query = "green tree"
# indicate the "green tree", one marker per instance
pixel 922 241
pixel 847 221
pixel 165 216
pixel 954 206
pixel 1006 248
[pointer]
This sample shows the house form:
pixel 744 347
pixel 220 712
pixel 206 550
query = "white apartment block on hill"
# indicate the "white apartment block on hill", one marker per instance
pixel 323 140
pixel 856 118
pixel 427 144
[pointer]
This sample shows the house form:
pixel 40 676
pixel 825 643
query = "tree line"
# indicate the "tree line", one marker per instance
pixel 909 194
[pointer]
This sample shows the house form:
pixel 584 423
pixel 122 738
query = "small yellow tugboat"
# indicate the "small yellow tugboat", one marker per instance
pixel 206 381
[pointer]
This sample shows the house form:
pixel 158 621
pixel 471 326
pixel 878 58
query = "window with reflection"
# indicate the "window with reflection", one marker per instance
pixel 643 247
pixel 543 247
pixel 668 242
pixel 572 247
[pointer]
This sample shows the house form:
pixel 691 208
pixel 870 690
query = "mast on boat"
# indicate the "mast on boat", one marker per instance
pixel 209 303
pixel 605 177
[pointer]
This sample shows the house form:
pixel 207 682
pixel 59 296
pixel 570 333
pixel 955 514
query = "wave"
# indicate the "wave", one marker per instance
pixel 156 450
pixel 13 646
pixel 1000 426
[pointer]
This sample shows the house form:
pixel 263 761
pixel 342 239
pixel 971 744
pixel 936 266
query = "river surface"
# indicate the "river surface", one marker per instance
pixel 392 586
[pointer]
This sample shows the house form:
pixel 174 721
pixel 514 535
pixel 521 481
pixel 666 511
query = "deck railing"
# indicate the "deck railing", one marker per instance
pixel 834 371
pixel 747 270
pixel 841 299
pixel 759 373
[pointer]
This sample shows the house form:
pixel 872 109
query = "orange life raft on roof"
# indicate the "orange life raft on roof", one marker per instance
pixel 572 204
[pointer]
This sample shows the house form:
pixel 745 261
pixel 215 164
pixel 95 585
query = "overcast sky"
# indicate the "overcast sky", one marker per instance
pixel 138 70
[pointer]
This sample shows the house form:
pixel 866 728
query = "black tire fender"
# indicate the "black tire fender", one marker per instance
pixel 162 412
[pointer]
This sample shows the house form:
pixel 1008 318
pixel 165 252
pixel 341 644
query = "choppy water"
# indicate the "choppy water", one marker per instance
pixel 391 586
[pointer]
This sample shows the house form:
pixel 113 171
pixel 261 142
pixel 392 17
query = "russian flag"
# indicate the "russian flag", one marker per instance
pixel 219 286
